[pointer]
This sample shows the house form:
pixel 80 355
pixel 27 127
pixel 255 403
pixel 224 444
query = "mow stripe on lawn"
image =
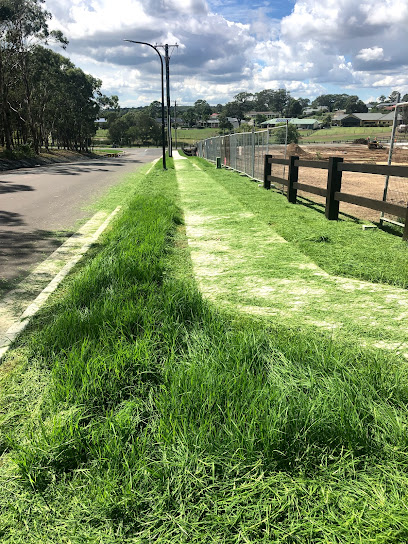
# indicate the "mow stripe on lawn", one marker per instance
pixel 243 263
pixel 132 411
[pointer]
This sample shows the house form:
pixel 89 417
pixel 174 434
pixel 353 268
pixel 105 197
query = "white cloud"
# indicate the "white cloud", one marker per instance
pixel 336 44
pixel 371 53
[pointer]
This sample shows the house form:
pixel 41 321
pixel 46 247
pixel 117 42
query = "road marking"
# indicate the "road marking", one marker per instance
pixel 55 267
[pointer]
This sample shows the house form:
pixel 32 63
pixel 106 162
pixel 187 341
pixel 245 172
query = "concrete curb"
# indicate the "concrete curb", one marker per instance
pixel 21 322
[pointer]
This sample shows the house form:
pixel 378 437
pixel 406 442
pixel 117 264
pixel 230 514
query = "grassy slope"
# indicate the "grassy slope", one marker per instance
pixel 193 135
pixel 345 133
pixel 137 413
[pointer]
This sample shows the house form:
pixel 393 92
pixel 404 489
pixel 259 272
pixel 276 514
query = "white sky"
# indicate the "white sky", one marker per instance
pixel 309 47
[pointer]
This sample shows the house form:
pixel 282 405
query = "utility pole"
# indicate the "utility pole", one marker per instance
pixel 167 61
pixel 175 122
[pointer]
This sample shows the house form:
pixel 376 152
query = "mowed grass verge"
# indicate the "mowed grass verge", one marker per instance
pixel 341 248
pixel 135 412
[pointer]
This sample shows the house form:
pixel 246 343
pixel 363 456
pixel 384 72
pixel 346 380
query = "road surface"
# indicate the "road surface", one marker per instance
pixel 37 202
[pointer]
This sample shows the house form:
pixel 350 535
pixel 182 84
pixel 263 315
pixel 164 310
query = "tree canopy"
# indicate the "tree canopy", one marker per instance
pixel 43 96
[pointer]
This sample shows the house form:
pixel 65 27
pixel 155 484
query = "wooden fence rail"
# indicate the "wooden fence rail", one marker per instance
pixel 332 192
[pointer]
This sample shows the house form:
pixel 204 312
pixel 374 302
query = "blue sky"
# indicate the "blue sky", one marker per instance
pixel 309 47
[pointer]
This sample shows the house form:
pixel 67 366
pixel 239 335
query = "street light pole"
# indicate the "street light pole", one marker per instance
pixel 162 93
pixel 167 61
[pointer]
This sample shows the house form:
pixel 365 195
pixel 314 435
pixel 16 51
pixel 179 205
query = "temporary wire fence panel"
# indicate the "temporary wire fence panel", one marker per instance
pixel 242 151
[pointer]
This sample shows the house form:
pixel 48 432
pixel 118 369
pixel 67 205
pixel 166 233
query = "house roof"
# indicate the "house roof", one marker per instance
pixel 369 116
pixel 292 121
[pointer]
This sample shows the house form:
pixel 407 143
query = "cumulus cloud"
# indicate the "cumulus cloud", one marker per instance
pixel 370 54
pixel 225 48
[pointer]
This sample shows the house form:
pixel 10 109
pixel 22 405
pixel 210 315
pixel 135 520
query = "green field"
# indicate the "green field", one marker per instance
pixel 102 133
pixel 345 133
pixel 134 411
pixel 192 135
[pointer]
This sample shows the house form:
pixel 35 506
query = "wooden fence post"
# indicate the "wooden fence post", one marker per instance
pixel 405 232
pixel 267 171
pixel 292 178
pixel 333 186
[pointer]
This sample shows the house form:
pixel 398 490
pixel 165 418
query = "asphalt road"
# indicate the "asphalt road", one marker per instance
pixel 36 202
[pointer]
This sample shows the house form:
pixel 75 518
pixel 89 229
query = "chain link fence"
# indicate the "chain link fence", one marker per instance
pixel 243 152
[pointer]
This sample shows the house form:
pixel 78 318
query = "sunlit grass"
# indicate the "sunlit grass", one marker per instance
pixel 340 247
pixel 135 412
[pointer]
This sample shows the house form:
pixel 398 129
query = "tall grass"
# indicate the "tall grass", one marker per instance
pixel 160 419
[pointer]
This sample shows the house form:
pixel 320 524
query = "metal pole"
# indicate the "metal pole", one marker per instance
pixel 175 122
pixel 387 177
pixel 169 143
pixel 162 94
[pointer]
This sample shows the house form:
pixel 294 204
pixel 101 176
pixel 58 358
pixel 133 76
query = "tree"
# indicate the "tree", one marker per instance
pixel 271 100
pixel 259 119
pixel 224 122
pixel 235 109
pixel 155 109
pixel 147 129
pixel 304 102
pixel 280 134
pixel 393 96
pixel 355 105
pixel 135 127
pixel 263 100
pixel 326 121
pixel 245 99
pixel 190 117
pixel 294 108
pixel 332 101
pixel 202 109
pixel 280 100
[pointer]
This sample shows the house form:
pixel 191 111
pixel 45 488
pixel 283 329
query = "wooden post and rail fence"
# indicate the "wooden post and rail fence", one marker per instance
pixel 332 192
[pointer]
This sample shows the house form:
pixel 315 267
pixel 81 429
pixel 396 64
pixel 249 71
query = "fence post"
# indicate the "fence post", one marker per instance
pixel 267 171
pixel 405 232
pixel 333 185
pixel 292 178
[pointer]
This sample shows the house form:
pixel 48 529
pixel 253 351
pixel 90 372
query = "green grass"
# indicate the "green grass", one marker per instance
pixel 103 151
pixel 340 247
pixel 135 412
pixel 192 135
pixel 102 133
pixel 345 133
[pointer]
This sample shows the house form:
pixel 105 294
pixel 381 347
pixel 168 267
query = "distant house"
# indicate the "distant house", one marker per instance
pixel 267 114
pixel 214 122
pixel 310 109
pixel 366 119
pixel 308 124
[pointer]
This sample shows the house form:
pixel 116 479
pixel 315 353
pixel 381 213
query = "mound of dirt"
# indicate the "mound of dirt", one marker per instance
pixel 295 149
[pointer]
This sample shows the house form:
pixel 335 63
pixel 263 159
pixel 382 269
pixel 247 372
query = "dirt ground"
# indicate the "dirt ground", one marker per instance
pixel 367 185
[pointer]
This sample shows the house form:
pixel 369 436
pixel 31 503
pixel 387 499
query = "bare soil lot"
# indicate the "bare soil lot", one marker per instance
pixel 367 185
